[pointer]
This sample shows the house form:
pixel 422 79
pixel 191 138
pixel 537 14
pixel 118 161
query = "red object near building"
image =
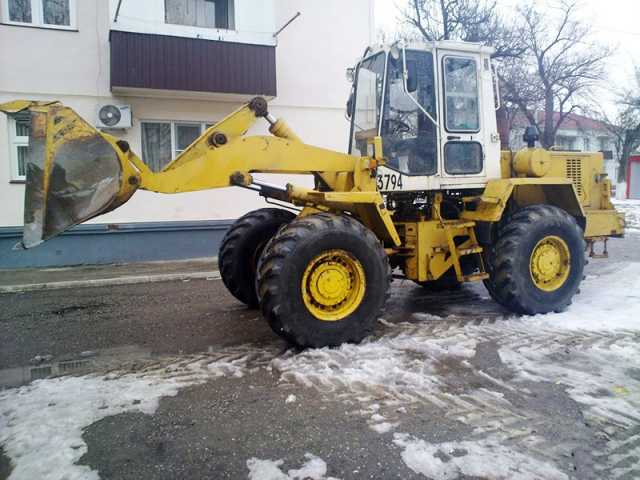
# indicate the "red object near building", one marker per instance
pixel 633 177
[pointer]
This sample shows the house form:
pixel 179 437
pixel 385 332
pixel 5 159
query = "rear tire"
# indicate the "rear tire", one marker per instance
pixel 242 247
pixel 537 262
pixel 323 280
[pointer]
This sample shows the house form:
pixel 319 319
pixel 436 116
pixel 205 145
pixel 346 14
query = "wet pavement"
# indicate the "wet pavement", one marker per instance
pixel 212 428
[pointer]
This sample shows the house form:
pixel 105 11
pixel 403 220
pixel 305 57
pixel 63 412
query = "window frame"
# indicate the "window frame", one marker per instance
pixel 174 139
pixel 37 17
pixel 15 141
pixel 445 110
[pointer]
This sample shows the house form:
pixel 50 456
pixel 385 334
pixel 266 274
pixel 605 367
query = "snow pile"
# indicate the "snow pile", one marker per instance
pixel 631 210
pixel 314 469
pixel 401 366
pixel 606 302
pixel 485 459
pixel 41 424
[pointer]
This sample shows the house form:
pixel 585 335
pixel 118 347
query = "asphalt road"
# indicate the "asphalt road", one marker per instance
pixel 211 430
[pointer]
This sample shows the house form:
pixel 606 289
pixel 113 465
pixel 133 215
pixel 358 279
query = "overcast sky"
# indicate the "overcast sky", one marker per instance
pixel 615 22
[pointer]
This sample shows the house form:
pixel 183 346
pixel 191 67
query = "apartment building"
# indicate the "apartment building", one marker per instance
pixel 174 66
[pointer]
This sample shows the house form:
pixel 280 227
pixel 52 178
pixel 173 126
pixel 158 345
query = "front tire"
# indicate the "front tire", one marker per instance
pixel 242 247
pixel 537 262
pixel 323 280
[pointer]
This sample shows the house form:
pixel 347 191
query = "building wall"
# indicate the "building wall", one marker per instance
pixel 73 66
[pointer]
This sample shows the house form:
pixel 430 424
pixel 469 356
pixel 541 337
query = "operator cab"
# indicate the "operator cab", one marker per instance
pixel 433 105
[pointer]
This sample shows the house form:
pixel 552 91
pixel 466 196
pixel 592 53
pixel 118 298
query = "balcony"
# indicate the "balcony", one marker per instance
pixel 163 65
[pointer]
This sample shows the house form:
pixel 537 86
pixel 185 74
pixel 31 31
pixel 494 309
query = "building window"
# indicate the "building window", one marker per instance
pixel 19 126
pixel 604 144
pixel 587 144
pixel 164 141
pixel 565 143
pixel 200 13
pixel 58 14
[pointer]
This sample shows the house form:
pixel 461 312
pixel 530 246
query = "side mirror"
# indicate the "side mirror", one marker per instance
pixel 350 106
pixel 412 76
pixel 350 74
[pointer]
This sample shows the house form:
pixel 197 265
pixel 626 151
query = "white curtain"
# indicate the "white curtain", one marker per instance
pixel 20 11
pixel 56 12
pixel 198 13
pixel 156 145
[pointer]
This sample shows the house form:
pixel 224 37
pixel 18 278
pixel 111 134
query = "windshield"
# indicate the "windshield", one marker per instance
pixel 368 102
pixel 409 136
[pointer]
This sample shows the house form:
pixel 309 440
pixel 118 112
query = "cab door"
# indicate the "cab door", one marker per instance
pixel 462 132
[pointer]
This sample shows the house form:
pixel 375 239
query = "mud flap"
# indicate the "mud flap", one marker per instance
pixel 73 172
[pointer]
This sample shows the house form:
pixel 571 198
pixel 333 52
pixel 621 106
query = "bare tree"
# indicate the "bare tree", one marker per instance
pixel 466 20
pixel 557 72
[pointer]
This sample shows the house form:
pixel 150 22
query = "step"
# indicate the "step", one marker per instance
pixel 475 277
pixel 469 251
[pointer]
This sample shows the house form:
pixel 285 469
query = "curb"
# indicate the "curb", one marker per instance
pixel 105 282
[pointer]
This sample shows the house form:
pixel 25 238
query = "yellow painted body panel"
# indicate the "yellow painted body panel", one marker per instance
pixel 574 181
pixel 427 249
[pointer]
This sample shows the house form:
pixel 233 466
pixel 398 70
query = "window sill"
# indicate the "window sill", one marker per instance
pixel 17 182
pixel 39 27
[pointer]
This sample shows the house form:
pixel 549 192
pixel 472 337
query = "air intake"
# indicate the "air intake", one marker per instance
pixel 574 172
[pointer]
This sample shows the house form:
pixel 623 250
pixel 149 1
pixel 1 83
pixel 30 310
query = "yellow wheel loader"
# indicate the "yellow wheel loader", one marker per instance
pixel 424 193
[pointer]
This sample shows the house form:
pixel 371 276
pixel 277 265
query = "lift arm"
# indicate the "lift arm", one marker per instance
pixel 75 172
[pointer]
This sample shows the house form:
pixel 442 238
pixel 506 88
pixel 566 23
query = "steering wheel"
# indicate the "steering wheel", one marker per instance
pixel 400 126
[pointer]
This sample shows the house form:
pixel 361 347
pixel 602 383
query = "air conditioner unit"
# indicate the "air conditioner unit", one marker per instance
pixel 114 116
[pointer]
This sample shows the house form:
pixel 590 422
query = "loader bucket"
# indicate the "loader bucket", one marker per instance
pixel 73 172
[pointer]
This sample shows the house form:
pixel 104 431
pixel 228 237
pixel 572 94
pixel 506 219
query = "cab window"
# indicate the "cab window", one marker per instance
pixel 462 113
pixel 368 103
pixel 463 158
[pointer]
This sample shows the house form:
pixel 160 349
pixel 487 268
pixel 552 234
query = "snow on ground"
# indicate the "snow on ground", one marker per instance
pixel 606 302
pixel 585 348
pixel 631 210
pixel 486 459
pixel 314 469
pixel 591 349
pixel 599 375
pixel 41 424
pixel 400 366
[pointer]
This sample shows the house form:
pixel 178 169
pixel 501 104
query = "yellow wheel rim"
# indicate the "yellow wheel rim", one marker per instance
pixel 333 285
pixel 550 263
